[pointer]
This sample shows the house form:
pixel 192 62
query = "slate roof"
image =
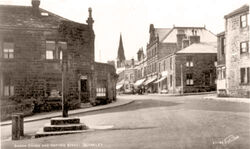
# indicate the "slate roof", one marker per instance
pixel 162 32
pixel 242 9
pixel 205 35
pixel 24 17
pixel 200 48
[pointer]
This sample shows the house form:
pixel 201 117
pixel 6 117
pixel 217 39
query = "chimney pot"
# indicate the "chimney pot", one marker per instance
pixel 35 3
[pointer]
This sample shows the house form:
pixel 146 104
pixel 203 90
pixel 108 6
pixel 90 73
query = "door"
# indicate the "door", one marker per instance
pixel 84 90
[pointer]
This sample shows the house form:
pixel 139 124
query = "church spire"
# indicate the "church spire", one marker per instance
pixel 121 56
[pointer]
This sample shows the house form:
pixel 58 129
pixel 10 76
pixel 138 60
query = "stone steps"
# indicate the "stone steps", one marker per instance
pixel 41 133
pixel 64 121
pixel 68 127
pixel 62 126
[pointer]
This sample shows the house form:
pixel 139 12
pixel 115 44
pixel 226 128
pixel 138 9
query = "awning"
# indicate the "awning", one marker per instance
pixel 139 82
pixel 119 86
pixel 150 80
pixel 161 79
pixel 121 82
pixel 164 73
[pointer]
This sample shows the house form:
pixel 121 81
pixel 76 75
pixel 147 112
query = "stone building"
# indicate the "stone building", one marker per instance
pixel 140 66
pixel 162 57
pixel 33 43
pixel 237 54
pixel 221 64
pixel 153 54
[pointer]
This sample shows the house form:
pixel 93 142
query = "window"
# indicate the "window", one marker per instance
pixel 8 89
pixel 189 62
pixel 219 74
pixel 245 75
pixel 101 88
pixel 171 63
pixel 243 47
pixel 223 46
pixel 8 50
pixel 189 79
pixel 100 92
pixel 207 78
pixel 171 80
pixel 224 73
pixel 164 65
pixel 50 49
pixel 131 77
pixel 159 67
pixel 127 77
pixel 243 21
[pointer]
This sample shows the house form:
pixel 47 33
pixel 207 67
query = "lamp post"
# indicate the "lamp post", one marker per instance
pixel 64 84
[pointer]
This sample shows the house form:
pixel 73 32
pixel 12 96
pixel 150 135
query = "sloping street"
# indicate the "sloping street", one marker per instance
pixel 153 121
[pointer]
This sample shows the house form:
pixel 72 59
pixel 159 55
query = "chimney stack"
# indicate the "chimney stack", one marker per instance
pixel 35 5
pixel 133 62
pixel 194 39
pixel 180 36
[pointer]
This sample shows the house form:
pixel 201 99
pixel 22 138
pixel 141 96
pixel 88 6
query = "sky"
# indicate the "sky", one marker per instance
pixel 131 19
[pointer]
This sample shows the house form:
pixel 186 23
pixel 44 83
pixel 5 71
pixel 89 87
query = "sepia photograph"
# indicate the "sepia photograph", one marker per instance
pixel 124 74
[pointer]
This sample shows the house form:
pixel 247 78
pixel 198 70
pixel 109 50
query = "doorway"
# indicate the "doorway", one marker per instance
pixel 84 89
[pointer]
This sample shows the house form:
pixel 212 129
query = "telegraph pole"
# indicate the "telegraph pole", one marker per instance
pixel 64 84
pixel 181 80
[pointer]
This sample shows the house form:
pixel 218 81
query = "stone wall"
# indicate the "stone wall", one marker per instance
pixel 33 76
pixel 234 59
pixel 202 63
pixel 170 71
pixel 106 73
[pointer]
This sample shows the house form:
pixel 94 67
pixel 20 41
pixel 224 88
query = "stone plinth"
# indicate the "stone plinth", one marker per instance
pixel 61 126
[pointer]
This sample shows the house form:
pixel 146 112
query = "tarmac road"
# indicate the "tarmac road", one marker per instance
pixel 154 122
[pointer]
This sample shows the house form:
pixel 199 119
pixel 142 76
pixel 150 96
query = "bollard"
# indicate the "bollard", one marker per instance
pixel 15 127
pixel 20 120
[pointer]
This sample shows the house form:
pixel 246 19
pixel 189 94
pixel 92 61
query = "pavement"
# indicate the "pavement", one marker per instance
pixel 48 115
pixel 210 96
pixel 229 99
pixel 184 94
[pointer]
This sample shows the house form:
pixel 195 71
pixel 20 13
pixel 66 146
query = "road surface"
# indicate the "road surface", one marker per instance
pixel 153 121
